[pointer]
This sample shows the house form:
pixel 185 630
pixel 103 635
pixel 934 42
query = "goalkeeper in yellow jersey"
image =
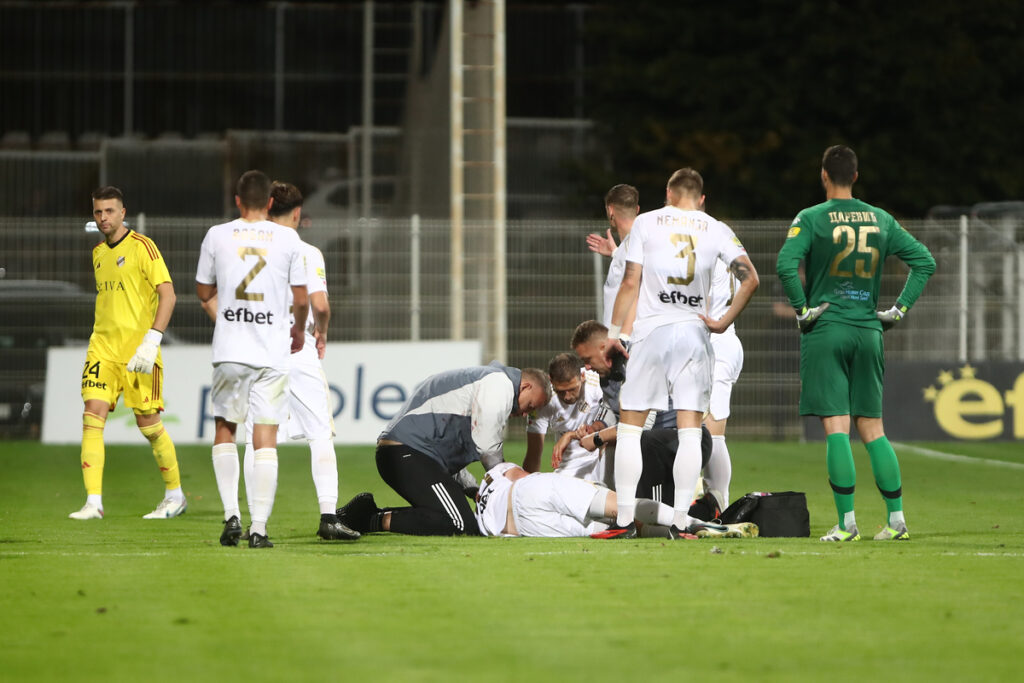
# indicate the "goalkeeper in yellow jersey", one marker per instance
pixel 134 302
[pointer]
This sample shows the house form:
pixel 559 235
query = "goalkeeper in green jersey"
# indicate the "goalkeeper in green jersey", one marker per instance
pixel 844 243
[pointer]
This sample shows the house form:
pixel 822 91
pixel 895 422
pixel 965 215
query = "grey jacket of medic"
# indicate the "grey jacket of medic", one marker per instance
pixel 459 416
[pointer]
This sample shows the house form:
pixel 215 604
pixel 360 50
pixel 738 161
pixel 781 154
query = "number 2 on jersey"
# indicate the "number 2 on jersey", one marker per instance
pixel 688 252
pixel 861 243
pixel 240 291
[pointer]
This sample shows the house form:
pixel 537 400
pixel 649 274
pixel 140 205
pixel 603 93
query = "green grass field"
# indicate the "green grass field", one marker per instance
pixel 126 599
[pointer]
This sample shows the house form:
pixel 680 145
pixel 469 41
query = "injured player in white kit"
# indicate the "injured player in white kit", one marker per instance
pixel 513 502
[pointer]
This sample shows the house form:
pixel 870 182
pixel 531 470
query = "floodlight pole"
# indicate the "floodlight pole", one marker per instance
pixel 457 274
pixel 500 306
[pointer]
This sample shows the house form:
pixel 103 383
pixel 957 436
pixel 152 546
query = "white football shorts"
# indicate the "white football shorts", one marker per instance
pixel 550 505
pixel 309 398
pixel 239 390
pixel 582 464
pixel 674 360
pixel 728 364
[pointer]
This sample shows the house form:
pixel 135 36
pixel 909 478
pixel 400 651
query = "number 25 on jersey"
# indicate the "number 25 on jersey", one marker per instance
pixel 854 239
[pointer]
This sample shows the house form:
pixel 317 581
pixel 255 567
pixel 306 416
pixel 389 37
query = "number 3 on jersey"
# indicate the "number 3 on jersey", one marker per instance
pixel 859 240
pixel 241 292
pixel 686 251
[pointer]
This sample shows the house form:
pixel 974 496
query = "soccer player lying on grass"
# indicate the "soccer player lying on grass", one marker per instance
pixel 514 502
pixel 657 447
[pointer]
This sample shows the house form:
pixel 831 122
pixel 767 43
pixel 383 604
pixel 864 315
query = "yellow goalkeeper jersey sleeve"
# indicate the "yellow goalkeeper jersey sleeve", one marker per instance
pixel 127 275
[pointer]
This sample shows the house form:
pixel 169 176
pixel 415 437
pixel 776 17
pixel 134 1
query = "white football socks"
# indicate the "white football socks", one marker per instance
pixel 324 465
pixel 629 465
pixel 247 462
pixel 225 469
pixel 685 473
pixel 849 521
pixel 896 520
pixel 264 475
pixel 718 473
pixel 653 512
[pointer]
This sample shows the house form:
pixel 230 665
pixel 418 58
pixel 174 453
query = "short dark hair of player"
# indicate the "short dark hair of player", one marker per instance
pixel 286 197
pixel 108 192
pixel 624 197
pixel 586 331
pixel 564 367
pixel 686 182
pixel 253 189
pixel 540 378
pixel 840 162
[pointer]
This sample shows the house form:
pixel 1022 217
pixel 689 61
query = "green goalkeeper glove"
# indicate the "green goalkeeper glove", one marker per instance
pixel 806 318
pixel 891 317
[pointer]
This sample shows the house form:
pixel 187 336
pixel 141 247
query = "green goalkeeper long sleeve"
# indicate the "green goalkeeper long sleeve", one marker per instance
pixel 843 243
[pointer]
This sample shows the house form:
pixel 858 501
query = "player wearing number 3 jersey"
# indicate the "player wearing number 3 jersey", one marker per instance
pixel 844 243
pixel 675 250
pixel 249 265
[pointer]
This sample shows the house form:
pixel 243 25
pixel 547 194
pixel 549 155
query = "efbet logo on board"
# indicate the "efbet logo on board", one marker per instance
pixel 956 400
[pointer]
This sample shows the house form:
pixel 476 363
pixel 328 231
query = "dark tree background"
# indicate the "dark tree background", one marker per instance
pixel 929 95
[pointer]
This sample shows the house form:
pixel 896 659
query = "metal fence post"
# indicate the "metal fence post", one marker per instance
pixel 962 344
pixel 414 277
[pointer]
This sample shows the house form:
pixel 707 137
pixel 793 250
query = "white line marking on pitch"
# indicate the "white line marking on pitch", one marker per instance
pixel 952 457
pixel 81 554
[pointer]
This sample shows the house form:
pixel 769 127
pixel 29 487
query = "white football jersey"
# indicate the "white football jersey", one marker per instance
pixel 253 264
pixel 316 281
pixel 678 250
pixel 492 502
pixel 559 418
pixel 614 279
pixel 723 287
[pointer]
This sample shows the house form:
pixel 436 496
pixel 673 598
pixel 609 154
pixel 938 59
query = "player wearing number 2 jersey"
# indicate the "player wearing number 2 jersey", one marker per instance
pixel 844 243
pixel 249 265
pixel 675 249
pixel 309 397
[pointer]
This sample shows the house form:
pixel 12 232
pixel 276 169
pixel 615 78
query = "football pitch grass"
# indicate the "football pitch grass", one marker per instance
pixel 127 599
